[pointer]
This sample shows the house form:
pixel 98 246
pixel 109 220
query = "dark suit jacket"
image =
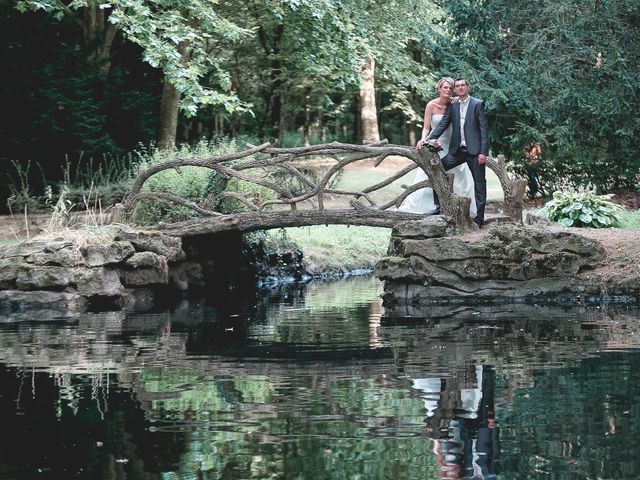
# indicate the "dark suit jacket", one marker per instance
pixel 476 127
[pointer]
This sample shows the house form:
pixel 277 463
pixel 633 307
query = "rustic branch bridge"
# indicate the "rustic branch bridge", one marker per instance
pixel 285 192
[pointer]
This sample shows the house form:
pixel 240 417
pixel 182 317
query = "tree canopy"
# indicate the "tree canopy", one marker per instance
pixel 557 77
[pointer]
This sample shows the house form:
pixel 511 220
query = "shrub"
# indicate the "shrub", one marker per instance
pixel 582 209
pixel 189 183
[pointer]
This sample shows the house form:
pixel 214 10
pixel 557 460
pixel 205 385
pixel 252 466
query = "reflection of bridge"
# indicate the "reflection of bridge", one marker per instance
pixel 283 189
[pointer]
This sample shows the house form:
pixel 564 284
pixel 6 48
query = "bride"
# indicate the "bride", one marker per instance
pixel 421 201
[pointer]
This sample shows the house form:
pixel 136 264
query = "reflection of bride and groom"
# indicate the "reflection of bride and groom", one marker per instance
pixel 460 125
pixel 462 422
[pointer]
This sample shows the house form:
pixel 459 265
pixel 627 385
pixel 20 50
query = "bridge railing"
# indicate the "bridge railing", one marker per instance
pixel 266 166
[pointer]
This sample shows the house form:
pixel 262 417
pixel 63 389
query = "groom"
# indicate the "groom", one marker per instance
pixel 469 140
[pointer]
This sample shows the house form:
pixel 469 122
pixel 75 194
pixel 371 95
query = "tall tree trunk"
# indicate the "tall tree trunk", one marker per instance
pixel 168 116
pixel 169 107
pixel 98 35
pixel 322 128
pixel 368 112
pixel 307 116
pixel 276 87
pixel 276 114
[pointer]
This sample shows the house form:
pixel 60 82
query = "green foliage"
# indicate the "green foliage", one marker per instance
pixel 189 183
pixel 59 108
pixel 556 74
pixel 84 185
pixel 553 74
pixel 159 27
pixel 250 191
pixel 97 184
pixel 21 195
pixel 582 209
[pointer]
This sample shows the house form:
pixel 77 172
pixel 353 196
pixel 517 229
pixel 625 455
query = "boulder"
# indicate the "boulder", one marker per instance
pixel 96 255
pixel 9 271
pixel 145 268
pixel 129 271
pixel 186 275
pixel 141 277
pixel 507 263
pixel 428 227
pixel 156 242
pixel 99 281
pixel 38 277
pixel 139 299
pixel 65 256
pixel 147 259
pixel 24 249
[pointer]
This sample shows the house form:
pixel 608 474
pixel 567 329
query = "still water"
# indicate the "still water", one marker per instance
pixel 314 382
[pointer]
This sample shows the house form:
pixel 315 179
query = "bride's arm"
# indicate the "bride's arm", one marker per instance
pixel 426 125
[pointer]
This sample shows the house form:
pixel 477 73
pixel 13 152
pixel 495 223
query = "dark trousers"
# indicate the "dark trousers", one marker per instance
pixel 478 172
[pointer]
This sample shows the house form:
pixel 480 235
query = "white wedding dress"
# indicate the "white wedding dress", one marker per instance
pixel 421 201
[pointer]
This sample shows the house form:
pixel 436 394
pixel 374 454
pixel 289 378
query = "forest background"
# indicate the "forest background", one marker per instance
pixel 88 86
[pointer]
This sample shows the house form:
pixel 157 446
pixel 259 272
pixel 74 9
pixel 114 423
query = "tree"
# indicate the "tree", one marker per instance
pixel 98 33
pixel 61 108
pixel 180 37
pixel 557 75
pixel 303 64
pixel 368 112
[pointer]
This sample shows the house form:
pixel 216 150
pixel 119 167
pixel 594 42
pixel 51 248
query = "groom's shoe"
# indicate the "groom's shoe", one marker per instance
pixel 436 211
pixel 478 222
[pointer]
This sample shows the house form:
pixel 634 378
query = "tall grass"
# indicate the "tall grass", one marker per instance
pixel 82 182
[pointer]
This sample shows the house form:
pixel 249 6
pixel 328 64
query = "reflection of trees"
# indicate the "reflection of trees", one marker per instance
pixel 344 308
pixel 581 419
pixel 341 406
pixel 513 337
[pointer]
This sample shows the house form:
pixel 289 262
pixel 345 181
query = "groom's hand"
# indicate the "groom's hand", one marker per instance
pixel 482 159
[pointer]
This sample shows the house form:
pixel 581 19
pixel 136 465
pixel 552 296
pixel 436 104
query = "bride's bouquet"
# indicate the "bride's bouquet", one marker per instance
pixel 433 145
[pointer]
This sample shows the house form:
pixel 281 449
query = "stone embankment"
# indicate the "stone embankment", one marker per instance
pixel 42 276
pixel 427 264
pixel 112 269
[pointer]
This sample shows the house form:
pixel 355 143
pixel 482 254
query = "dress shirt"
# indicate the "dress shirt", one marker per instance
pixel 464 105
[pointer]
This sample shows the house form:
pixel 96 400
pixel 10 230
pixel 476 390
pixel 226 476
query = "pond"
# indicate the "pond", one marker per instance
pixel 315 382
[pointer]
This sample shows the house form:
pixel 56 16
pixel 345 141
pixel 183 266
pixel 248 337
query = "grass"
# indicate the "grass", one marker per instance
pixel 340 247
pixel 630 219
pixel 6 242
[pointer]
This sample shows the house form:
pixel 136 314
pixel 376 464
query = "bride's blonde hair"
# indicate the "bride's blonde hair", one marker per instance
pixel 449 80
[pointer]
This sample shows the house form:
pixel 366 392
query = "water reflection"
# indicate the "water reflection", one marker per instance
pixel 314 382
pixel 466 444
